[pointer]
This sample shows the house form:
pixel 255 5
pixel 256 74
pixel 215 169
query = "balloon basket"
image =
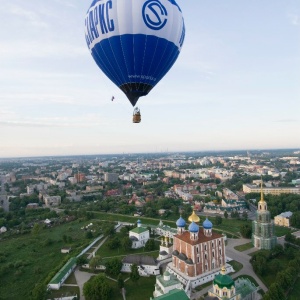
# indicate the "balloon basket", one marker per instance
pixel 136 118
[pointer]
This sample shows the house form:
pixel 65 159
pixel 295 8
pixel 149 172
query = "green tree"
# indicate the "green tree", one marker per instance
pixel 246 231
pixel 259 262
pixel 36 229
pixel 113 266
pixel 245 216
pixel 126 243
pixel 114 243
pixel 89 235
pixel 218 220
pixel 134 275
pixel 81 260
pixel 225 214
pixel 38 292
pixel 97 288
pixel 150 245
pixel 94 262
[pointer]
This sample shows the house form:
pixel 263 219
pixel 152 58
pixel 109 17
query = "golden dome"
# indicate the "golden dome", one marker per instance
pixel 223 270
pixel 194 218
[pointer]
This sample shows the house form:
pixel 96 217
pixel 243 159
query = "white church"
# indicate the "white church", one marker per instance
pixel 139 236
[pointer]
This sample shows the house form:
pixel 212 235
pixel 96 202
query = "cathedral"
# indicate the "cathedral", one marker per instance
pixel 198 253
pixel 263 227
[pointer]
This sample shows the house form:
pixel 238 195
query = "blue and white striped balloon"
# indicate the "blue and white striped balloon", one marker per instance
pixel 134 42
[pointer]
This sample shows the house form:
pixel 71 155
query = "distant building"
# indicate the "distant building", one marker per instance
pixel 263 227
pixel 248 188
pixel 32 206
pixel 283 219
pixel 111 177
pixel 52 200
pixel 80 177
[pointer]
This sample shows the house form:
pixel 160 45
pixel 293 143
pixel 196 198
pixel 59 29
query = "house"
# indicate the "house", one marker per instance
pixel 147 265
pixel 62 274
pixel 66 250
pixel 283 219
pixel 139 236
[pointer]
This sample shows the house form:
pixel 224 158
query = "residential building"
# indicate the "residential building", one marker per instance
pixel 111 177
pixel 248 188
pixel 283 219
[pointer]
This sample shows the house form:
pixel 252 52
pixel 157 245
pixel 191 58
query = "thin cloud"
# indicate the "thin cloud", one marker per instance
pixel 286 121
pixel 33 18
pixel 294 19
pixel 38 49
pixel 86 121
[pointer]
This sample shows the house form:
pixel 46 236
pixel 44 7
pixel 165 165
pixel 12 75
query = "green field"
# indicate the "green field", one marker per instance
pixel 30 259
pixel 280 230
pixel 236 265
pixel 244 247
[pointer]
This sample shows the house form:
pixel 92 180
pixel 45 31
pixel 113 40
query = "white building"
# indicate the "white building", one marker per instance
pixel 147 265
pixel 139 236
pixel 165 283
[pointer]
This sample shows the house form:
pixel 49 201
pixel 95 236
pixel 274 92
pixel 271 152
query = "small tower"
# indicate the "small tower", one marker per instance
pixel 180 223
pixel 194 231
pixel 262 204
pixel 263 236
pixel 207 227
pixel 139 223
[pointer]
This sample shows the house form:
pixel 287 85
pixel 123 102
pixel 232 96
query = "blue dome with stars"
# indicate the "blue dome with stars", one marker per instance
pixel 207 224
pixel 193 227
pixel 180 222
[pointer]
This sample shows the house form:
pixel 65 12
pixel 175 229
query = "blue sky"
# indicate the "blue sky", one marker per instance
pixel 235 85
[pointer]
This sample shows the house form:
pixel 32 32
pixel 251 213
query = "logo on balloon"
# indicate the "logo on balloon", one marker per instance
pixel 154 14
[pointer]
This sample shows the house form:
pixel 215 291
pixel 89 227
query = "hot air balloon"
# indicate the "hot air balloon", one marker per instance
pixel 134 42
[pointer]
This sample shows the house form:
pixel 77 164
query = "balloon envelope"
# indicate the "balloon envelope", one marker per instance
pixel 134 42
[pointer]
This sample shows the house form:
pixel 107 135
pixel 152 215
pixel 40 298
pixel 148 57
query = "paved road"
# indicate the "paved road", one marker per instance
pixel 81 279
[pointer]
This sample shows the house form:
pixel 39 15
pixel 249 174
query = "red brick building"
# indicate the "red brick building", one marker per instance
pixel 197 250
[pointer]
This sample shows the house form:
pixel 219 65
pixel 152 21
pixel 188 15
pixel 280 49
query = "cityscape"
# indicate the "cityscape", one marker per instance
pixel 149 150
pixel 197 225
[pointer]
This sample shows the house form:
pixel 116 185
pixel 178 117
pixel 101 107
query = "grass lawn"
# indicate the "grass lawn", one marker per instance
pixel 71 279
pixel 31 259
pixel 244 247
pixel 236 265
pixel 64 291
pixel 142 289
pixel 295 292
pixel 280 230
